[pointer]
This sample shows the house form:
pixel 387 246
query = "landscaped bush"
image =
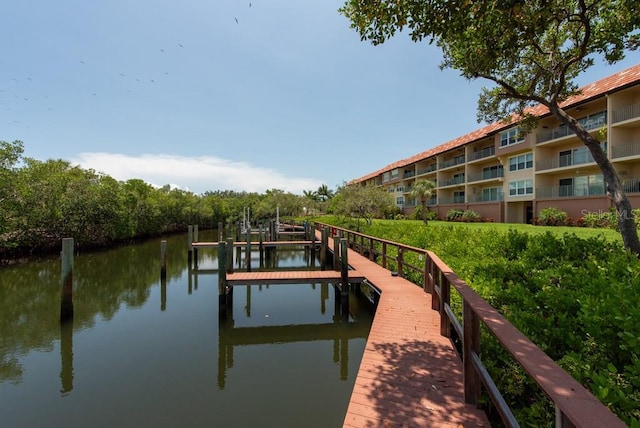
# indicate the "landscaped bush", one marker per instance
pixel 551 217
pixel 470 216
pixel 417 214
pixel 454 214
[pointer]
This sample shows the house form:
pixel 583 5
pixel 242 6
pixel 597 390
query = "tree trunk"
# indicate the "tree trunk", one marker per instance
pixel 624 213
pixel 424 211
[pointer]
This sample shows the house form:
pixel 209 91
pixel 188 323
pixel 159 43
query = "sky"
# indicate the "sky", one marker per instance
pixel 224 94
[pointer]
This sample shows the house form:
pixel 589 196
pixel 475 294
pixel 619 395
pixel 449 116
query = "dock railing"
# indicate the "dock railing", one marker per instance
pixel 575 406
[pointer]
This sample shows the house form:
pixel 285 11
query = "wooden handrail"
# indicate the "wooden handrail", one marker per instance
pixel 575 405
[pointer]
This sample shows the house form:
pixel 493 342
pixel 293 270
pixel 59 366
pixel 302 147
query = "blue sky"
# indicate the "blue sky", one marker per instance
pixel 224 94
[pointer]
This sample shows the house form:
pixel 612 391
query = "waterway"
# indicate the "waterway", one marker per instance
pixel 142 352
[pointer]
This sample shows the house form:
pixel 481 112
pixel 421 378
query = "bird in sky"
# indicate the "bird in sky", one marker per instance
pixel 236 20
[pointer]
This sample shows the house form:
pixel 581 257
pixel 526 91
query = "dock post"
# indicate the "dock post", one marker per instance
pixel 336 253
pixel 248 250
pixel 189 245
pixel 195 250
pixel 261 244
pixel 222 277
pixel 163 259
pixel 229 255
pixel 220 232
pixel 66 303
pixel 313 244
pixel 323 248
pixel 344 277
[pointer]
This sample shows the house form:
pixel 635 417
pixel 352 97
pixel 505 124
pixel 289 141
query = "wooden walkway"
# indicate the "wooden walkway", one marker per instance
pixel 410 375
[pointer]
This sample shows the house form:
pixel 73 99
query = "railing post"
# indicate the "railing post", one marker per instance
pixel 445 289
pixel 426 280
pixel 561 420
pixel 400 260
pixel 470 345
pixel 372 255
pixel 384 255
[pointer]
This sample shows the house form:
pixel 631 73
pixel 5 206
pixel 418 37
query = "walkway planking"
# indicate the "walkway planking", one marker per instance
pixel 256 244
pixel 410 375
pixel 290 277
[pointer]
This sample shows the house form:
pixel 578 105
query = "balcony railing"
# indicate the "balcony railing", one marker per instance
pixel 579 158
pixel 570 191
pixel 451 200
pixel 452 181
pixel 624 150
pixel 486 198
pixel 428 169
pixel 631 185
pixel 625 113
pixel 451 162
pixel 484 153
pixel 591 122
pixel 485 175
pixel 409 174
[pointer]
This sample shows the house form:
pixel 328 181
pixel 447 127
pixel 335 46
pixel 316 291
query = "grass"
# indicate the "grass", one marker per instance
pixel 581 232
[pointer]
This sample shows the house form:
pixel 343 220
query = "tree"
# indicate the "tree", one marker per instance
pixel 324 193
pixel 423 189
pixel 363 202
pixel 532 51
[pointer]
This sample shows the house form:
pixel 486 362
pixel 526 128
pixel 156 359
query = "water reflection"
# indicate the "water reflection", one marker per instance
pixel 137 338
pixel 339 330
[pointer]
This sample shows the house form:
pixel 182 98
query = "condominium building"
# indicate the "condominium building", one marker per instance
pixel 509 177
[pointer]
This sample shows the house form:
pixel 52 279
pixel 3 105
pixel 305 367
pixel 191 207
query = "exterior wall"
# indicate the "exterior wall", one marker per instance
pixel 576 207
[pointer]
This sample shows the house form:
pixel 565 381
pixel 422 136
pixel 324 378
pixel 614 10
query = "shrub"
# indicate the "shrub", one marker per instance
pixel 470 216
pixel 454 214
pixel 551 216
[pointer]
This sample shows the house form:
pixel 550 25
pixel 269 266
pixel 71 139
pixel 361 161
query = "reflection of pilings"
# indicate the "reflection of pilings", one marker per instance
pixel 163 293
pixel 66 356
pixel 163 259
pixel 247 308
pixel 66 302
pixel 324 295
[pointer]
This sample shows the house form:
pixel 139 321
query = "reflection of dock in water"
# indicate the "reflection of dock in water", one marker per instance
pixel 340 331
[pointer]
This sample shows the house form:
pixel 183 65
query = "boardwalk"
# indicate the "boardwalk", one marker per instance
pixel 410 375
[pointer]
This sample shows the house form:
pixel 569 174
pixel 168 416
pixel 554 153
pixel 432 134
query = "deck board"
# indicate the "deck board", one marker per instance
pixel 288 277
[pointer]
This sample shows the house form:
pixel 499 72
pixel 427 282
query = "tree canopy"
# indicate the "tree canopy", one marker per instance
pixel 532 51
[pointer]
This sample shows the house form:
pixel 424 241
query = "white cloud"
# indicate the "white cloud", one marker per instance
pixel 197 174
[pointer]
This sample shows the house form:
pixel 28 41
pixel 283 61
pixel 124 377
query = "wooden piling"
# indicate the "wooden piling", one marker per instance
pixel 344 278
pixel 163 259
pixel 336 253
pixel 222 277
pixel 195 250
pixel 66 302
pixel 248 249
pixel 324 247
pixel 220 232
pixel 189 245
pixel 229 255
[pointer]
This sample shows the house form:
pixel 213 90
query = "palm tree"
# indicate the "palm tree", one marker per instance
pixel 423 189
pixel 324 193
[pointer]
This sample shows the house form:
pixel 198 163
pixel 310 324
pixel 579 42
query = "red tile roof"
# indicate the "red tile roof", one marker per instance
pixel 610 84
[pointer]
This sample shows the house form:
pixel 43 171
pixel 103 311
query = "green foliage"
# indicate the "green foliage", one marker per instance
pixel 551 216
pixel 454 214
pixel 417 214
pixel 576 298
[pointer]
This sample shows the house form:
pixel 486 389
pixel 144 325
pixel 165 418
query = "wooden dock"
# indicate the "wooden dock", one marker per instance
pixel 290 277
pixel 410 375
pixel 243 244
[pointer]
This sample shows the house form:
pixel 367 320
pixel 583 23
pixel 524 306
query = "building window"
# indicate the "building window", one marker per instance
pixel 521 187
pixel 525 161
pixel 400 188
pixel 581 186
pixel 391 189
pixel 400 201
pixel 385 177
pixel 492 194
pixel 458 197
pixel 394 174
pixel 511 136
pixel 491 172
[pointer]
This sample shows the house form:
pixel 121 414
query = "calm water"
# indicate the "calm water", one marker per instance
pixel 143 353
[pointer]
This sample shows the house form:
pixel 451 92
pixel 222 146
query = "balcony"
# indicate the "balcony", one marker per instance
pixel 562 161
pixel 451 162
pixel 594 121
pixel 484 153
pixel 452 181
pixel 626 113
pixel 631 185
pixel 409 174
pixel 430 168
pixel 625 150
pixel 486 198
pixel 570 191
pixel 451 200
pixel 485 175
